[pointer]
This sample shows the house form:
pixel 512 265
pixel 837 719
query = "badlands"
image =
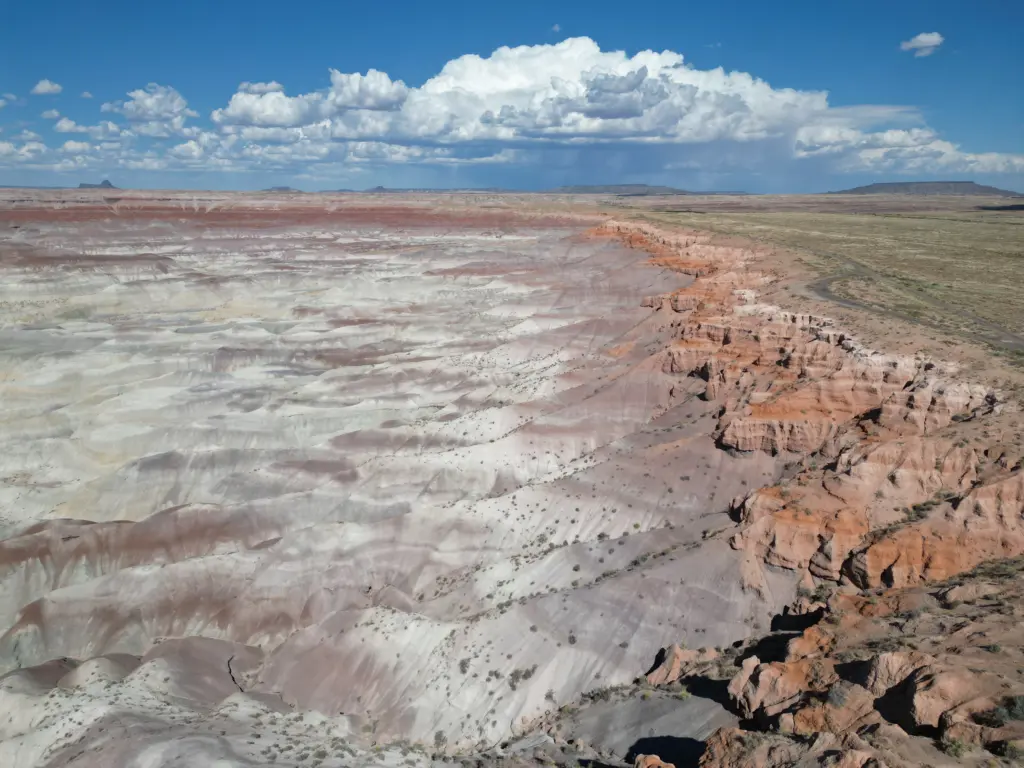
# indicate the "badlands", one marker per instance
pixel 345 480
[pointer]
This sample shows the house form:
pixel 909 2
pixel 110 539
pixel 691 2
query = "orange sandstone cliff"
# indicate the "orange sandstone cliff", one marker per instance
pixel 903 477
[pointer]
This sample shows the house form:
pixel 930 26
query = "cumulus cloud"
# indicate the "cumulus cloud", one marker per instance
pixel 259 104
pixel 46 88
pixel 924 44
pixel 65 125
pixel 259 88
pixel 50 114
pixel 86 95
pixel 105 129
pixel 189 150
pixel 566 105
pixel 76 146
pixel 156 110
pixel 372 91
pixel 271 108
pixel 31 150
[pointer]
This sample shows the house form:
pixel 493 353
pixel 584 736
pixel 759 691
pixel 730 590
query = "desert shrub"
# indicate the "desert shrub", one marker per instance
pixel 837 696
pixel 1012 708
pixel 1012 752
pixel 955 748
pixel 993 718
pixel 1015 707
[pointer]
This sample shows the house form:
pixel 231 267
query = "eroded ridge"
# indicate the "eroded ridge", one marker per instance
pixel 902 510
pixel 890 483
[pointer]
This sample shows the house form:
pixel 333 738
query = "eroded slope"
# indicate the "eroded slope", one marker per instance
pixel 433 485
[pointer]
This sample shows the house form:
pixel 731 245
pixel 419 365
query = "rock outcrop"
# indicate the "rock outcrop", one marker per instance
pixel 881 496
pixel 674 662
pixel 899 477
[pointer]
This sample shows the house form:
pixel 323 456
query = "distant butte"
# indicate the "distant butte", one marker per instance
pixel 928 188
pixel 105 184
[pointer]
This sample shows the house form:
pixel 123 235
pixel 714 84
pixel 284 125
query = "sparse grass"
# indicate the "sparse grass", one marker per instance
pixel 1012 708
pixel 955 748
pixel 955 270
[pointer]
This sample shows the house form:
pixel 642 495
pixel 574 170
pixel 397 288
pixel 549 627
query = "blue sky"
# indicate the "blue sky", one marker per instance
pixel 810 96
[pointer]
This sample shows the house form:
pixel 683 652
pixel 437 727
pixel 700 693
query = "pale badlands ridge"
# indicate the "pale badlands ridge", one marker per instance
pixel 282 478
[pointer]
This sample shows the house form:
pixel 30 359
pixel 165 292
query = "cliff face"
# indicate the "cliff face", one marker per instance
pixel 886 484
pixel 900 480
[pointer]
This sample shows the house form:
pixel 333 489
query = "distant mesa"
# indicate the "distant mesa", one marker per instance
pixel 928 188
pixel 102 185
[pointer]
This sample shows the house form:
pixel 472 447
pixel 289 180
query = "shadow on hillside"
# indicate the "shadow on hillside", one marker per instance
pixel 769 648
pixel 681 752
pixel 709 688
pixel 796 622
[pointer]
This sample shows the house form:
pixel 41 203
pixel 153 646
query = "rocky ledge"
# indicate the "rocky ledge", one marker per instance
pixel 901 508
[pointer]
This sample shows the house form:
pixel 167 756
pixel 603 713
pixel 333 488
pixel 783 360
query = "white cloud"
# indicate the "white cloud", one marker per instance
pixel 76 146
pixel 45 88
pixel 50 114
pixel 156 110
pixel 31 150
pixel 86 95
pixel 914 150
pixel 257 104
pixel 65 125
pixel 105 129
pixel 556 28
pixel 539 108
pixel 271 108
pixel 259 88
pixel 3 103
pixel 924 44
pixel 373 91
pixel 571 91
pixel 189 150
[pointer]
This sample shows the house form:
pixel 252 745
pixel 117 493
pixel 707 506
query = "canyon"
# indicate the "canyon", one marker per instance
pixel 339 480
